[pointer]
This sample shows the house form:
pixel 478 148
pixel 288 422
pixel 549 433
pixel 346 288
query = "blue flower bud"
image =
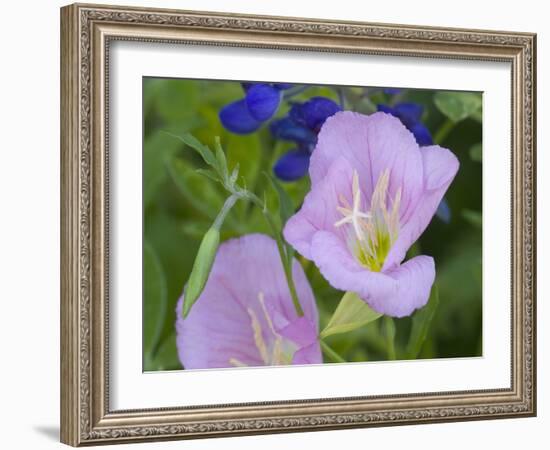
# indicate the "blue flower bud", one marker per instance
pixel 236 117
pixel 410 114
pixel 262 101
pixel 422 134
pixel 289 130
pixel 314 112
pixel 292 165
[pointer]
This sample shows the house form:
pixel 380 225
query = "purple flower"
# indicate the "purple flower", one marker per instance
pixel 260 103
pixel 245 315
pixel 301 126
pixel 373 192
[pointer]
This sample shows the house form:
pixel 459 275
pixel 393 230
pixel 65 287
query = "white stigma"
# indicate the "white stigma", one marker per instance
pixel 374 231
pixel 353 215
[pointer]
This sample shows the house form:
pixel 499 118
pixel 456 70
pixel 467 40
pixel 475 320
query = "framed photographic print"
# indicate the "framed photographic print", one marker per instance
pixel 276 224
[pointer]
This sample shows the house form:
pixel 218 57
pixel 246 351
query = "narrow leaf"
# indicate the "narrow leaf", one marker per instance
pixel 234 174
pixel 154 299
pixel 286 208
pixel 208 174
pixel 166 357
pixel 198 191
pixel 222 162
pixel 351 313
pixel 201 149
pixel 421 324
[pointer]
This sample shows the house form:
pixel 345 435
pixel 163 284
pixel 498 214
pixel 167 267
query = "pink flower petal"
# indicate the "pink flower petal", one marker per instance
pixel 319 210
pixel 413 282
pixel 372 144
pixel 307 355
pixel 218 328
pixel 440 168
pixel 396 293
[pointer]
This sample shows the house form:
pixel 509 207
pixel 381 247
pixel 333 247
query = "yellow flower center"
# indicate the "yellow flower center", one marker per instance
pixel 277 352
pixel 371 233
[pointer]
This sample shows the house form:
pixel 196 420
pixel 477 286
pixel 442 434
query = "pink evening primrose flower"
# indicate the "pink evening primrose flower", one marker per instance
pixel 245 315
pixel 373 193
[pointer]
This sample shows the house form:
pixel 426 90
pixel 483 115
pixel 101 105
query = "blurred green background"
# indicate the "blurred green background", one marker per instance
pixel 179 205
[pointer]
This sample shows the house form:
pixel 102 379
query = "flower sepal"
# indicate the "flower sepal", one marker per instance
pixel 351 313
pixel 201 268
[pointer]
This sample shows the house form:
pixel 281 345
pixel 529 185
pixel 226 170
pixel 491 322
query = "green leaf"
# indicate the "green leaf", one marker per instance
pixel 234 174
pixel 457 106
pixel 176 252
pixel 421 321
pixel 156 149
pixel 473 217
pixel 286 208
pixel 166 357
pixel 209 174
pixel 199 147
pixel 476 152
pixel 222 162
pixel 351 313
pixel 199 192
pixel 154 300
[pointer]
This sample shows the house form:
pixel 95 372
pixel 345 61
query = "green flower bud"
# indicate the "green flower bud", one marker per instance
pixel 201 268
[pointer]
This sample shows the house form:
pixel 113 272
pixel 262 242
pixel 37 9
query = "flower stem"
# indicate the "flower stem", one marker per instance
pixel 443 131
pixel 287 267
pixel 285 260
pixel 224 211
pixel 335 357
pixel 389 331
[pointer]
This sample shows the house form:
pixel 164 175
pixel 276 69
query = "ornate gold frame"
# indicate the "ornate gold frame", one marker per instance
pixel 86 31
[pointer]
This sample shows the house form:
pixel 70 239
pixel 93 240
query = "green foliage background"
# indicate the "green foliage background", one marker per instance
pixel 179 205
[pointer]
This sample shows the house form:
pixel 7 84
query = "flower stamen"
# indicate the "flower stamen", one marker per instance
pixel 374 231
pixel 280 352
pixel 237 363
